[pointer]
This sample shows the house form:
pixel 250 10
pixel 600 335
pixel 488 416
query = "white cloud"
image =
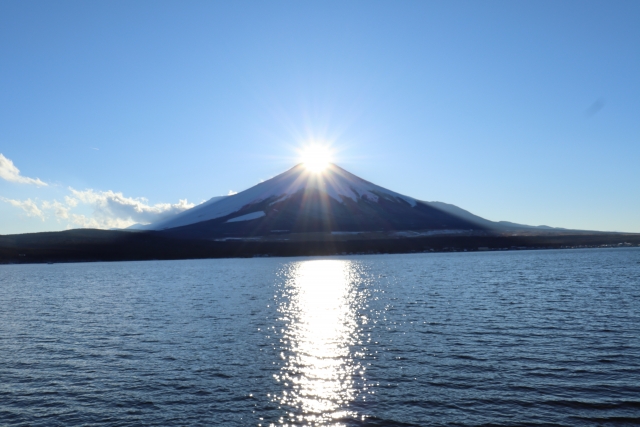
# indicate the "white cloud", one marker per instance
pixel 110 209
pixel 29 206
pixel 60 209
pixel 10 172
pixel 110 206
pixel 82 221
pixel 70 201
pixel 231 193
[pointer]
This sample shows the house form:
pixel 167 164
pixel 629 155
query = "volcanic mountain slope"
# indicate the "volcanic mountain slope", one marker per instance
pixel 302 201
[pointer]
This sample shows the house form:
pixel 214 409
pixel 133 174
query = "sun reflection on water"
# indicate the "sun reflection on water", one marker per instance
pixel 319 372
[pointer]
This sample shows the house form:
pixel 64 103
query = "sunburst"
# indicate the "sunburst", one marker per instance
pixel 316 158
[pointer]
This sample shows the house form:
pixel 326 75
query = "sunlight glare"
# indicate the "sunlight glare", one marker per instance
pixel 316 158
pixel 320 368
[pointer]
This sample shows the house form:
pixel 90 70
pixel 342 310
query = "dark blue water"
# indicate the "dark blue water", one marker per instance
pixel 499 338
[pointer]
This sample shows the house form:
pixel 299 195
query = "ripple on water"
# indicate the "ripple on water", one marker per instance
pixel 501 338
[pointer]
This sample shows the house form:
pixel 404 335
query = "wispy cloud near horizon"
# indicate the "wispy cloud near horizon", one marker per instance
pixel 110 206
pixel 29 206
pixel 110 209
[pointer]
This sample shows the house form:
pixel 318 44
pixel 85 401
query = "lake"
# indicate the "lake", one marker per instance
pixel 502 338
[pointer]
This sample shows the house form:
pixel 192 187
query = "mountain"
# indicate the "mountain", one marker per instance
pixel 491 225
pixel 300 213
pixel 335 200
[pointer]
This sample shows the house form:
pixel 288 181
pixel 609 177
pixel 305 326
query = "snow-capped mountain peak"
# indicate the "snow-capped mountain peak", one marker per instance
pixel 334 181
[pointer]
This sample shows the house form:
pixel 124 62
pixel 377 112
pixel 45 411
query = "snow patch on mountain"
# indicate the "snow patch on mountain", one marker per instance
pixel 248 217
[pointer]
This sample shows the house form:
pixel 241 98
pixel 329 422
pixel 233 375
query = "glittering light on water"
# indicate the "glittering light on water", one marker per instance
pixel 320 370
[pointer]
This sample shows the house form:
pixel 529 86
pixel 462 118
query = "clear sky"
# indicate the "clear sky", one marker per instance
pixel 120 112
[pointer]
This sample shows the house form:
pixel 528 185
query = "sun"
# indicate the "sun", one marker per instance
pixel 316 158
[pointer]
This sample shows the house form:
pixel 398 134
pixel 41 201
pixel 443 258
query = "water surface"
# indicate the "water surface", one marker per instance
pixel 501 338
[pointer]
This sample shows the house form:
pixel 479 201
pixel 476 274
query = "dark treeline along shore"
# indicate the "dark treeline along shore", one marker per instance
pixel 84 245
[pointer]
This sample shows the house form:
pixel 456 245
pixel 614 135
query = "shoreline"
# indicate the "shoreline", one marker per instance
pixel 105 246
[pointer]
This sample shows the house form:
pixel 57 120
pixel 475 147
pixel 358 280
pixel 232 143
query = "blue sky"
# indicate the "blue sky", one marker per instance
pixel 519 111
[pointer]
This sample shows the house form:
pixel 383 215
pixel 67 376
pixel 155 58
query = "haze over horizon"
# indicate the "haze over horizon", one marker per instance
pixel 115 113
